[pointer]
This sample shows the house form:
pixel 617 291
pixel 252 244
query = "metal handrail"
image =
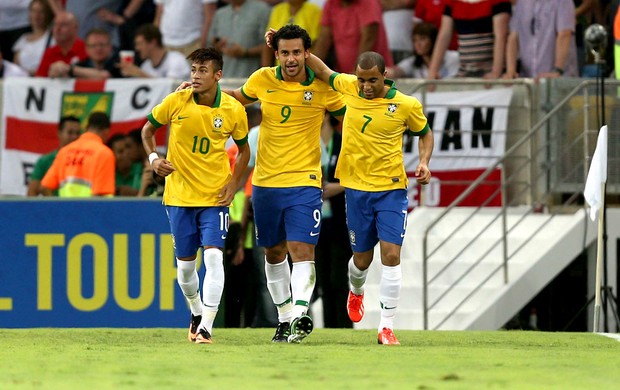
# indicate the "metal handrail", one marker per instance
pixel 519 143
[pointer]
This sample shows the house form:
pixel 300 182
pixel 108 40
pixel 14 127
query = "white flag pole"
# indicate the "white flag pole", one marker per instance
pixel 599 263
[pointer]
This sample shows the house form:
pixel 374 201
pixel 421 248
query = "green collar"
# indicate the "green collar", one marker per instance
pixel 390 93
pixel 218 97
pixel 309 72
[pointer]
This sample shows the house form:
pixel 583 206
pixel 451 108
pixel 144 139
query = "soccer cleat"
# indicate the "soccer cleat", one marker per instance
pixel 282 332
pixel 193 328
pixel 301 327
pixel 203 337
pixel 355 306
pixel 386 337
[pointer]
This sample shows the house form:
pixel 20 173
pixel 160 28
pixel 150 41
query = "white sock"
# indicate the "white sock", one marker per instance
pixel 187 278
pixel 212 286
pixel 389 294
pixel 303 278
pixel 357 278
pixel 279 286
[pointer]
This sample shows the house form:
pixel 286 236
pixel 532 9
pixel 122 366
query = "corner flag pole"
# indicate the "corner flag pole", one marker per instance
pixel 599 263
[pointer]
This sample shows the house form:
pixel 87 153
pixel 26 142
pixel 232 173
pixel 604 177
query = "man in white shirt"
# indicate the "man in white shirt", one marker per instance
pixel 157 61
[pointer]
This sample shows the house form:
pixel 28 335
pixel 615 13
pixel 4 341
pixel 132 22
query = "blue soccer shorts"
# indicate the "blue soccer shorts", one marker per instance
pixel 374 216
pixel 195 227
pixel 291 214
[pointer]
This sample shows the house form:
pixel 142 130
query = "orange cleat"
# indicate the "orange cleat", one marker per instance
pixel 386 337
pixel 193 328
pixel 204 337
pixel 355 307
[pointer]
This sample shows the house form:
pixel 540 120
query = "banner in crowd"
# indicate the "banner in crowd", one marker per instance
pixel 88 263
pixel 32 108
pixel 470 135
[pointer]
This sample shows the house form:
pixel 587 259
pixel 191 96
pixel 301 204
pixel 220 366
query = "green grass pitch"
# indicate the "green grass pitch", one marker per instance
pixel 328 359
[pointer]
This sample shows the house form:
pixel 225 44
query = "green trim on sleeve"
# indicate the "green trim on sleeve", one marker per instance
pixel 242 141
pixel 339 112
pixel 246 96
pixel 154 122
pixel 419 133
pixel 331 80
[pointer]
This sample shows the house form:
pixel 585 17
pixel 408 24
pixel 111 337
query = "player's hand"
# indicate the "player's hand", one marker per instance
pixel 422 174
pixel 269 36
pixel 227 194
pixel 183 85
pixel 162 167
pixel 239 255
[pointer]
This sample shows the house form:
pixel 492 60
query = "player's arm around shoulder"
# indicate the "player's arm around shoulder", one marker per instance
pixel 320 69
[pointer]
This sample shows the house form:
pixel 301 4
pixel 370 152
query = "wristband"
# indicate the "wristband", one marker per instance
pixel 152 157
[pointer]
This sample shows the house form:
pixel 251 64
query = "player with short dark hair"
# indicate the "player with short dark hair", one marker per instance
pixel 287 177
pixel 372 171
pixel 199 183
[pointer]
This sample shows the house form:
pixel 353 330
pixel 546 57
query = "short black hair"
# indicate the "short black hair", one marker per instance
pixel 291 31
pixel 98 120
pixel 150 32
pixel 369 59
pixel 65 119
pixel 136 136
pixel 202 56
pixel 114 139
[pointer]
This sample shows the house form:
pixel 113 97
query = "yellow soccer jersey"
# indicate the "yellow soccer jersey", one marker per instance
pixel 289 151
pixel 371 158
pixel 196 145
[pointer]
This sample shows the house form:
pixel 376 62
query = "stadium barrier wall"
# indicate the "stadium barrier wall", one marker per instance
pixel 88 263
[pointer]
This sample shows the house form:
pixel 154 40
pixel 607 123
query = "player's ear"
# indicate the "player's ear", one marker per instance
pixel 218 75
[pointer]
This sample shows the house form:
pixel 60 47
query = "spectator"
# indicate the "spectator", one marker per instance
pixel 131 15
pixel 300 12
pixel 9 69
pixel 188 33
pixel 135 146
pixel 69 129
pixel 101 63
pixel 29 48
pixel 69 47
pixel 542 40
pixel 13 24
pixel 424 36
pixel 398 22
pixel 86 13
pixel 352 27
pixel 482 28
pixel 431 11
pixel 86 166
pixel 237 32
pixel 157 61
pixel 128 178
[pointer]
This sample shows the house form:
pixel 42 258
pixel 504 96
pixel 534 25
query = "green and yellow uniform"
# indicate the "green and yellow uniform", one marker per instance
pixel 371 158
pixel 196 145
pixel 289 151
